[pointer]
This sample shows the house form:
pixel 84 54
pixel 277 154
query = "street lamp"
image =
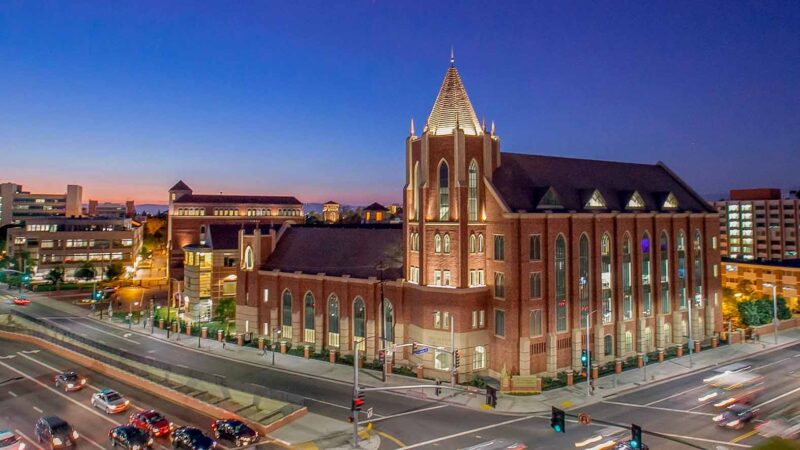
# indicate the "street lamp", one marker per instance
pixel 130 313
pixel 275 332
pixel 774 309
pixel 582 283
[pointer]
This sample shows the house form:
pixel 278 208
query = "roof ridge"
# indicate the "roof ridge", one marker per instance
pixel 605 161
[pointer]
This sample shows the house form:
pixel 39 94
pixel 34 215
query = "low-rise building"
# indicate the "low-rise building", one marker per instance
pixel 16 205
pixel 111 210
pixel 331 212
pixel 375 213
pixel 70 242
pixel 762 275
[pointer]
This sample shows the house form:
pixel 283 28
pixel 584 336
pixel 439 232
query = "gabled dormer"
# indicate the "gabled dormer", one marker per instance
pixel 670 202
pixel 550 200
pixel 595 201
pixel 635 201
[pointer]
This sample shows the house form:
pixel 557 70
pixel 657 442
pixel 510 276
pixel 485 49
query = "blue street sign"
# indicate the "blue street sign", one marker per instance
pixel 421 351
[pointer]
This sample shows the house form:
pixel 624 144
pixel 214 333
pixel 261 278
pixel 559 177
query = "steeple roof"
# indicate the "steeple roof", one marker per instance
pixel 180 186
pixel 453 107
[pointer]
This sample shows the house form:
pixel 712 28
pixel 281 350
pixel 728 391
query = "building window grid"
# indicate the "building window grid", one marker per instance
pixel 627 288
pixel 535 247
pixel 444 192
pixel 606 277
pixel 681 250
pixel 499 285
pixel 666 306
pixel 499 247
pixel 536 323
pixel 536 285
pixel 647 295
pixel 561 284
pixel 584 276
pixel 472 191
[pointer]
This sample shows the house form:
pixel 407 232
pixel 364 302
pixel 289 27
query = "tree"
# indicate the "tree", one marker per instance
pixel 55 276
pixel 313 218
pixel 85 272
pixel 145 253
pixel 225 311
pixel 113 271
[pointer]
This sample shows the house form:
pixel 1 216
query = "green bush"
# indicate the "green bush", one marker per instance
pixel 477 381
pixel 760 312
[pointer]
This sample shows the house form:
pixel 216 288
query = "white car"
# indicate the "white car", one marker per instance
pixel 10 441
pixel 110 401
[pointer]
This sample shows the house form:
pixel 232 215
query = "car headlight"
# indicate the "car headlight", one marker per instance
pixel 74 434
pixel 150 441
pixel 717 418
pixel 70 385
pixel 734 423
pixel 127 402
pixel 83 381
pixel 57 441
pixel 22 446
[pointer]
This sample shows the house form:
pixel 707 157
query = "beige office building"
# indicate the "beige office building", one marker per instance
pixel 17 206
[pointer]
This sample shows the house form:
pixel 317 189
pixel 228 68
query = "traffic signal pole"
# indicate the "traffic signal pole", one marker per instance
pixel 355 393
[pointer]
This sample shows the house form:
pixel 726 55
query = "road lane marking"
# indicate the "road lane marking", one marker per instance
pixel 334 404
pixel 388 436
pixel 712 441
pixel 777 398
pixel 474 430
pixel 744 436
pixel 99 330
pixel 36 408
pixel 633 405
pixel 404 413
pixel 699 406
pixel 91 441
pixel 12 394
pixel 34 443
pixel 674 395
pixel 92 410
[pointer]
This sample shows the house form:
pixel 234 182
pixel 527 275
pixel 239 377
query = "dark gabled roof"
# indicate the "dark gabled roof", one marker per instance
pixel 376 207
pixel 180 186
pixel 522 180
pixel 330 202
pixel 240 199
pixel 226 236
pixel 336 251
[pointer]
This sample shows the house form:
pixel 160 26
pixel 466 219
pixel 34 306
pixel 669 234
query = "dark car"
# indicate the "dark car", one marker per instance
pixel 736 416
pixel 130 437
pixel 70 381
pixel 234 430
pixel 626 445
pixel 191 438
pixel 152 422
pixel 56 432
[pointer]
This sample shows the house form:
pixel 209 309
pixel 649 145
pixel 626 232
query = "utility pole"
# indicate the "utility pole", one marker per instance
pixel 454 369
pixel 691 343
pixel 774 310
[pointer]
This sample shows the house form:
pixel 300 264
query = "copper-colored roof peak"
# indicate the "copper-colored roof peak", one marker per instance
pixel 452 108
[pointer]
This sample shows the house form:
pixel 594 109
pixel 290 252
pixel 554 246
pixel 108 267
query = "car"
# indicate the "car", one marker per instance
pixel 110 401
pixel 130 437
pixel 235 431
pixel 736 416
pixel 191 438
pixel 151 421
pixel 21 300
pixel 626 445
pixel 10 441
pixel 56 432
pixel 70 381
pixel 780 427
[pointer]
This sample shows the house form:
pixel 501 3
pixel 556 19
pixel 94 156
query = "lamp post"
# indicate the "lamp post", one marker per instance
pixel 275 332
pixel 381 267
pixel 775 321
pixel 152 314
pixel 130 313
pixel 582 284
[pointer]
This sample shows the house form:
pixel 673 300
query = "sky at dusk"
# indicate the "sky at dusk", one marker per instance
pixel 313 99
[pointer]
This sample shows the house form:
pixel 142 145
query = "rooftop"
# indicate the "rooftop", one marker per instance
pixel 239 199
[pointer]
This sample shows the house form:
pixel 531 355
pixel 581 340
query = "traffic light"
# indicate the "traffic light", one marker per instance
pixel 414 347
pixel 584 357
pixel 458 358
pixel 358 402
pixel 636 436
pixel 382 356
pixel 491 396
pixel 437 390
pixel 26 278
pixel 98 295
pixel 558 420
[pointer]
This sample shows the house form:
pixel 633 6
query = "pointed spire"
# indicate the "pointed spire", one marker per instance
pixel 483 124
pixel 492 127
pixel 453 104
pixel 412 126
pixel 452 57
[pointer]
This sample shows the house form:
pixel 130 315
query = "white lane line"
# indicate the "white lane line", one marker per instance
pixel 91 441
pixel 38 410
pixel 406 413
pixel 12 394
pixel 92 410
pixel 681 411
pixel 699 406
pixel 691 438
pixel 777 398
pixel 474 430
pixel 674 395
pixel 99 330
pixel 56 370
pixel 334 404
pixel 33 443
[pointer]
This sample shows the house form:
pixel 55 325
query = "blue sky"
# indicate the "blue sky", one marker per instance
pixel 313 99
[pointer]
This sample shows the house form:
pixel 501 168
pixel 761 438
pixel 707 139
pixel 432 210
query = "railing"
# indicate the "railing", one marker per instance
pixel 147 360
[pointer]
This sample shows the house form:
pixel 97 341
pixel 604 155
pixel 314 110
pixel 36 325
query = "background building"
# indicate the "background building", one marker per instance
pixel 757 224
pixel 375 213
pixel 190 215
pixel 71 242
pixel 331 212
pixel 508 252
pixel 17 206
pixel 785 275
pixel 111 210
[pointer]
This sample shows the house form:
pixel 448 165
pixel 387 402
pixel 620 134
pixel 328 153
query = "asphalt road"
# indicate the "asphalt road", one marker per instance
pixel 23 402
pixel 670 407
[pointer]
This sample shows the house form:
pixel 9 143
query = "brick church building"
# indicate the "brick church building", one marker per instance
pixel 511 251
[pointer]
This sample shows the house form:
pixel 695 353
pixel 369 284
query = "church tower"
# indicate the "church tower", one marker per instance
pixel 445 190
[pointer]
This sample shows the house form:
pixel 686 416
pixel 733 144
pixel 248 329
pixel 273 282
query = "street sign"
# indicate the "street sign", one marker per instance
pixel 421 351
pixel 369 413
pixel 584 419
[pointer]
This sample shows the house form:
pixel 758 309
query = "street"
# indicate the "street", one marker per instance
pixel 670 407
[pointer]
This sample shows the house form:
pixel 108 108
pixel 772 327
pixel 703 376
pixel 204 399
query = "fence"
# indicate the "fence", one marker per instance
pixel 178 369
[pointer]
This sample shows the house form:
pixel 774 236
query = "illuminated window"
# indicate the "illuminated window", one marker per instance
pixel 536 323
pixel 472 191
pixel 606 278
pixel 681 248
pixel 647 296
pixel 664 272
pixel 479 361
pixel 248 258
pixel 635 202
pixel 596 200
pixel 584 276
pixel 388 320
pixel 446 243
pixel 444 192
pixel 499 285
pixel 670 202
pixel 480 242
pixel 561 283
pixel 378 216
pixel 333 321
pixel 627 288
pixel 308 318
pixel 472 243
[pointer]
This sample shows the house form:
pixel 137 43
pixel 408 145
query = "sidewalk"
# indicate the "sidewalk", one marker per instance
pixel 567 397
